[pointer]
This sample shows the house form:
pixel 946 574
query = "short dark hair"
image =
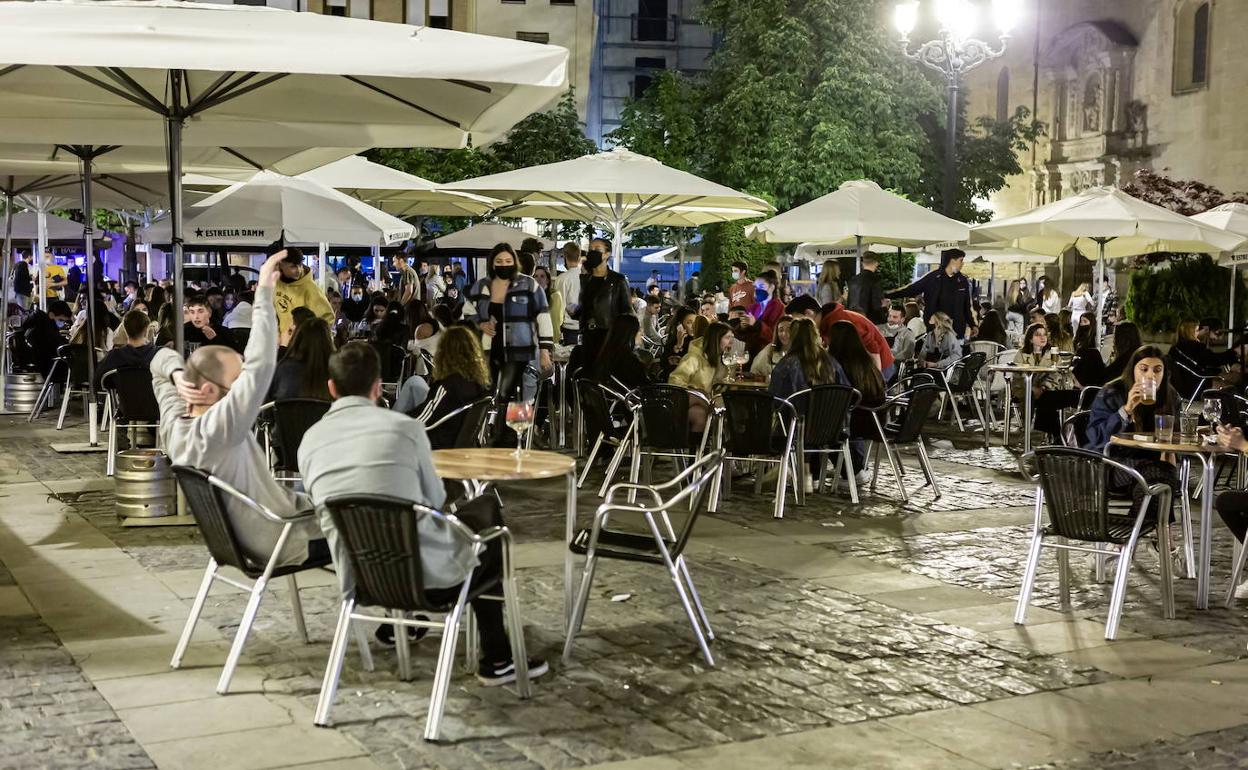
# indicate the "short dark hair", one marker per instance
pixel 802 304
pixel 193 300
pixel 300 314
pixel 128 284
pixel 654 301
pixel 744 267
pixel 354 368
pixel 60 307
pixel 136 323
pixel 294 256
pixel 531 245
pixel 214 291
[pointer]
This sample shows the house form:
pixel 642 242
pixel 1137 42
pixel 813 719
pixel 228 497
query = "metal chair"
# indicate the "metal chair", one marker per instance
pixel 659 543
pixel 204 496
pixel 993 384
pixel 132 405
pixel 1196 377
pixel 1087 396
pixel 463 424
pixel 285 422
pixel 77 379
pixel 381 540
pixel 822 420
pixel 1072 487
pixel 660 426
pixel 756 426
pixel 959 381
pixel 898 422
pixel 1075 429
pixel 599 407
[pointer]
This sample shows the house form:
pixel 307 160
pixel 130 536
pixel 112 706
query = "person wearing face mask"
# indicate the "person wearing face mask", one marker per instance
pixel 355 305
pixel 768 310
pixel 40 335
pixel 899 336
pixel 514 317
pixel 944 290
pixel 741 292
pixel 604 295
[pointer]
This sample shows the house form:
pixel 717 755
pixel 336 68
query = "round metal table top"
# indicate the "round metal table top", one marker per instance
pixel 500 464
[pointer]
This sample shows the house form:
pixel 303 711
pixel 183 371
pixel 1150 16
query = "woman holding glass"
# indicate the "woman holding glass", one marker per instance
pixel 702 369
pixel 1050 392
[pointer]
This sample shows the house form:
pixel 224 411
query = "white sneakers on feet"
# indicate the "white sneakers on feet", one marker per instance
pixel 863 477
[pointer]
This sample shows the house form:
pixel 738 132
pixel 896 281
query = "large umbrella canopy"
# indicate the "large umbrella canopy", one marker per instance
pixel 92 71
pixel 270 206
pixel 485 236
pixel 26 227
pixel 859 211
pixel 397 192
pixel 619 190
pixel 1233 218
pixel 1104 217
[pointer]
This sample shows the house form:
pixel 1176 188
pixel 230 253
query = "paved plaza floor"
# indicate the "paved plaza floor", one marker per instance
pixel 877 635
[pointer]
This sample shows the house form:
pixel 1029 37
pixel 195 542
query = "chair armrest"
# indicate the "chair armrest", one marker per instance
pixel 624 485
pixel 263 510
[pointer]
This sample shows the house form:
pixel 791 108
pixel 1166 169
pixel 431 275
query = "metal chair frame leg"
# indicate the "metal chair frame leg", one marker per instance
pixel 333 668
pixel 926 464
pixel 589 463
pixel 446 664
pixel 197 608
pixel 296 606
pixel 1237 569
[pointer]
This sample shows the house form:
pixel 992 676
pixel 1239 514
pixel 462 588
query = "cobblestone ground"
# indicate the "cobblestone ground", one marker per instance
pixel 793 654
pixel 50 715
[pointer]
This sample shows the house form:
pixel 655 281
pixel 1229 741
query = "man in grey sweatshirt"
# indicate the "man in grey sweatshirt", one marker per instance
pixel 208 407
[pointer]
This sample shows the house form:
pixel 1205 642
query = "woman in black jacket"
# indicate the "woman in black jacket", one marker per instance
pixel 618 360
pixel 460 377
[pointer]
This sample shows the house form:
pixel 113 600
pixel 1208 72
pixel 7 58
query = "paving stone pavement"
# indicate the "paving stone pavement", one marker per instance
pixel 795 653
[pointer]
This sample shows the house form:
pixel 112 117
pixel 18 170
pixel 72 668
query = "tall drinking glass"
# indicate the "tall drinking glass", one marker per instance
pixel 520 419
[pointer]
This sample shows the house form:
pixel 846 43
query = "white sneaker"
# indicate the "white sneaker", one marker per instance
pixel 863 477
pixel 1241 590
pixel 810 485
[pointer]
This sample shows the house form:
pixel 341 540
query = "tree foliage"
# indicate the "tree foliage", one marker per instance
pixel 1161 297
pixel 987 155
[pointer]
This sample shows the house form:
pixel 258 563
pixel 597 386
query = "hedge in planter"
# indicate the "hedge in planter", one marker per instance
pixel 1186 287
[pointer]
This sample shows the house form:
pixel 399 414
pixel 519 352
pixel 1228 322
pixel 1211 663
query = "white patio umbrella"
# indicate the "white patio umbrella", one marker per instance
pixel 25 227
pixel 98 75
pixel 486 235
pixel 397 192
pixel 1233 218
pixel 270 206
pixel 1108 222
pixel 856 212
pixel 620 191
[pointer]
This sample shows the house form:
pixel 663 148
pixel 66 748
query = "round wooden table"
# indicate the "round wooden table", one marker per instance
pixel 1029 372
pixel 1206 454
pixel 481 467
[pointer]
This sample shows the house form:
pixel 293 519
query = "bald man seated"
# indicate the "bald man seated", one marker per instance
pixel 208 406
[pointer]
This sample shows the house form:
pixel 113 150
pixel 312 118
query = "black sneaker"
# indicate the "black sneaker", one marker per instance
pixel 385 632
pixel 495 674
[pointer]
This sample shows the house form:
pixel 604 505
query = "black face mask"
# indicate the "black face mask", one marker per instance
pixel 592 260
pixel 506 272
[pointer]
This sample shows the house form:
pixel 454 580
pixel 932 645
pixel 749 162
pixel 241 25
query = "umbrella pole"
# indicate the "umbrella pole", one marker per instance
pixel 173 129
pixel 680 279
pixel 1230 313
pixel 377 264
pixel 857 254
pixel 992 280
pixel 6 284
pixel 322 275
pixel 617 245
pixel 1100 302
pixel 42 276
pixel 88 242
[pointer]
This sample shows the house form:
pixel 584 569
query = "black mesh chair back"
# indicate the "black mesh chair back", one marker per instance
pixel 1076 495
pixel 697 479
pixel 1087 396
pixel 908 425
pixel 752 421
pixel 597 402
pixel 76 356
pixel 459 428
pixel 824 410
pixel 133 397
pixel 393 359
pixel 662 413
pixel 292 417
pixel 380 536
pixel 1075 429
pixel 208 508
pixel 961 376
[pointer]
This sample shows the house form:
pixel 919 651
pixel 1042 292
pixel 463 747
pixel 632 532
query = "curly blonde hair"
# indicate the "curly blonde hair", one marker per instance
pixel 460 353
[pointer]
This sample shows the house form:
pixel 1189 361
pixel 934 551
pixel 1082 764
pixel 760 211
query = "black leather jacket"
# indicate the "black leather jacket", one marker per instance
pixel 602 299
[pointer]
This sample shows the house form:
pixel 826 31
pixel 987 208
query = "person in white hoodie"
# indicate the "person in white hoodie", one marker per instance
pixel 208 406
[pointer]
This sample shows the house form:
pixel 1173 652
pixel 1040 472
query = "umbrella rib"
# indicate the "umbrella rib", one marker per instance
pixel 603 214
pixel 235 92
pixel 401 100
pixel 214 88
pixel 243 158
pixel 120 77
pixel 11 68
pixel 475 86
pixel 132 98
pixel 104 181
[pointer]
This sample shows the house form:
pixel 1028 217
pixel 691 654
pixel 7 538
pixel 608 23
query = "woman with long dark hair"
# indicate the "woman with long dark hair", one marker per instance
pixel 806 363
pixel 771 355
pixel 846 348
pixel 991 329
pixel 702 368
pixel 618 360
pixel 304 371
pixel 1126 342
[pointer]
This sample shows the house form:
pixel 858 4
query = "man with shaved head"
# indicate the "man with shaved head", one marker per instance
pixel 208 406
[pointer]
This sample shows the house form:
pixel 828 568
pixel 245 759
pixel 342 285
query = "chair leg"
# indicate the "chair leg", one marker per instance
pixel 876 447
pixel 515 627
pixel 361 642
pixel 694 622
pixel 617 459
pixel 296 605
pixel 926 463
pixel 60 422
pixel 697 600
pixel 1237 569
pixel 471 643
pixel 402 650
pixel 110 466
pixel 333 668
pixel 849 472
pixel 578 610
pixel 1185 518
pixel 446 664
pixel 197 608
pixel 1063 575
pixel 44 394
pixel 823 476
pixel 1029 579
pixel 1163 542
pixel 895 461
pixel 957 413
pixel 1119 593
pixel 593 454
pixel 240 638
pixel 979 412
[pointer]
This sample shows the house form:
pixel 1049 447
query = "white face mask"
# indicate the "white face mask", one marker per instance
pixel 736 275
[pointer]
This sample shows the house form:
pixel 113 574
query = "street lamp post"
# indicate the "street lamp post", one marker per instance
pixel 953 54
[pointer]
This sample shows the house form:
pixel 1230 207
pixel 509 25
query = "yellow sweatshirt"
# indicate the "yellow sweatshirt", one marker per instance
pixel 300 293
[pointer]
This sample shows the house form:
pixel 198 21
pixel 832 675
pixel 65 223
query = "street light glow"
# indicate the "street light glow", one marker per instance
pixel 1006 15
pixel 957 17
pixel 905 16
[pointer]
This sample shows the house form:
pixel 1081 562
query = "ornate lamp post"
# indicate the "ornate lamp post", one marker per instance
pixel 953 54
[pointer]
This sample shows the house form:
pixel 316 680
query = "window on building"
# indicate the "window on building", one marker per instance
pixel 646 67
pixel 260 3
pixel 429 13
pixel 651 21
pixel 533 37
pixel 335 7
pixel 1003 94
pixel 1191 45
pixel 563 2
pixel 514 2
